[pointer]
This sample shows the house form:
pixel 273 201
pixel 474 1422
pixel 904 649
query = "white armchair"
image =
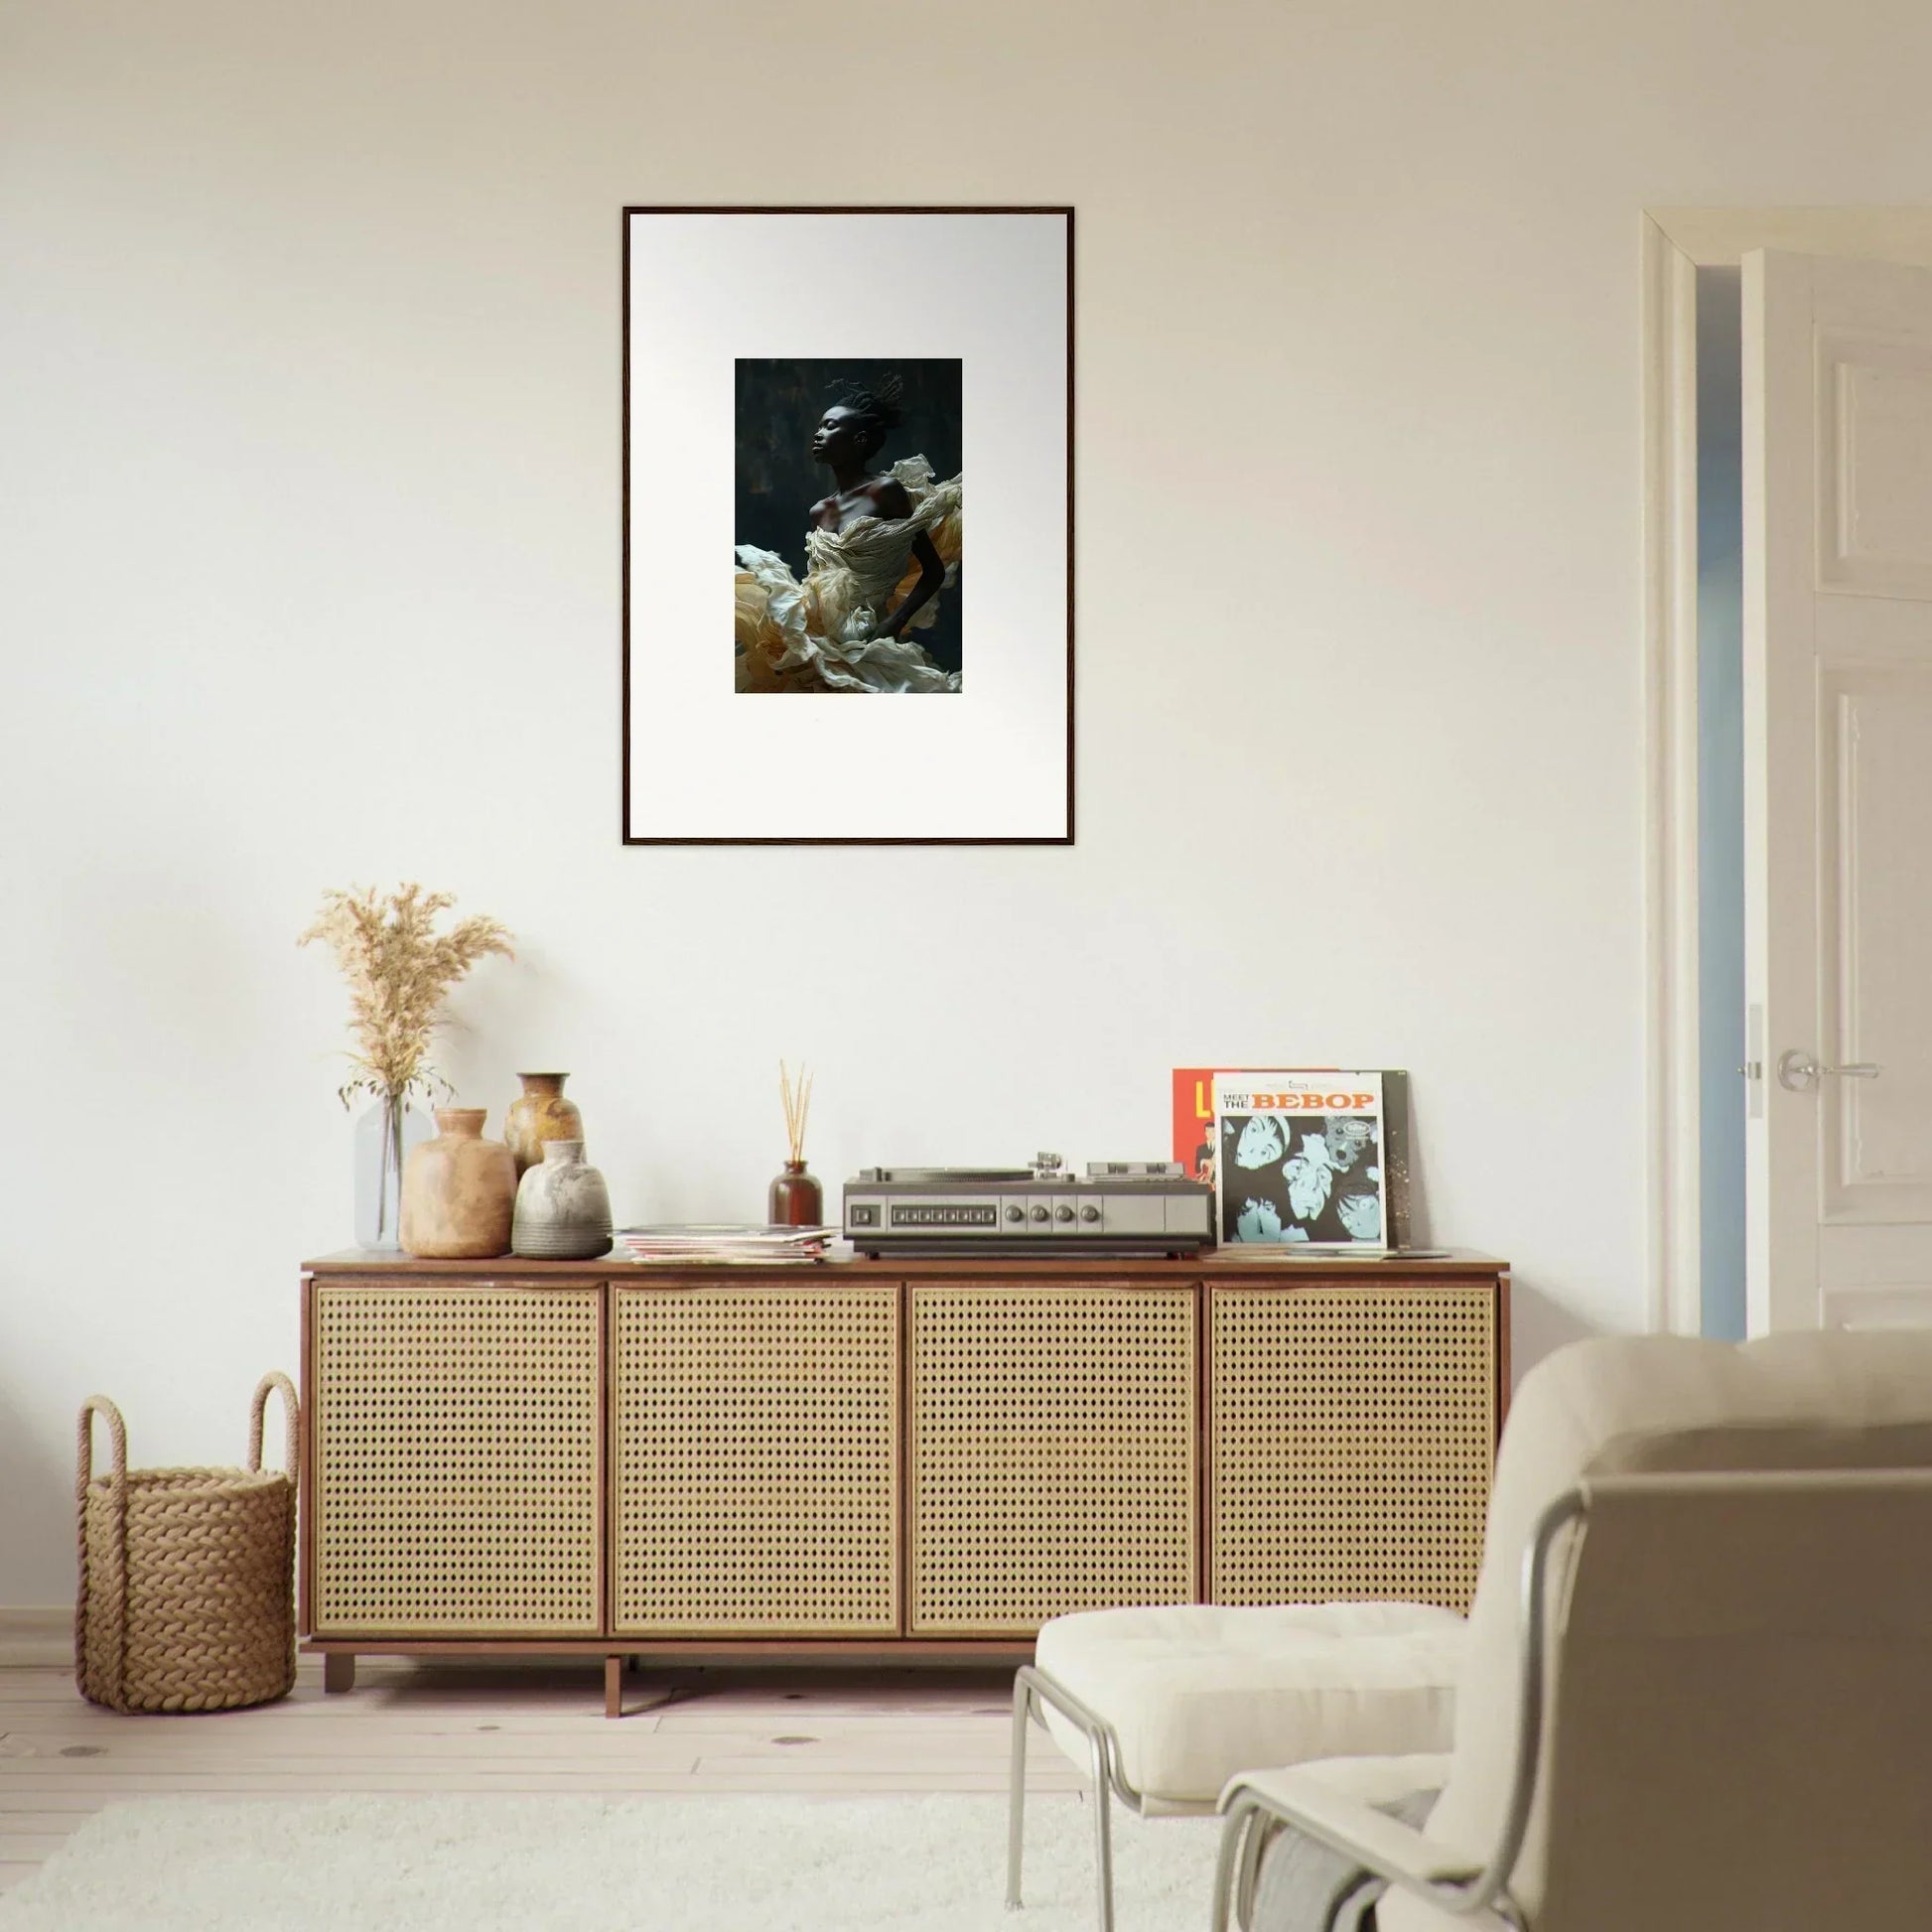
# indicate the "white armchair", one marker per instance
pixel 1697 1695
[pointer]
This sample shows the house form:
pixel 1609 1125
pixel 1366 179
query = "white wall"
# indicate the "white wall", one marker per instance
pixel 309 575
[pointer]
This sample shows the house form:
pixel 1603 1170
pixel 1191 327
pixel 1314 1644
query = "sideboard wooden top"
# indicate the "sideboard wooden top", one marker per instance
pixel 1221 1265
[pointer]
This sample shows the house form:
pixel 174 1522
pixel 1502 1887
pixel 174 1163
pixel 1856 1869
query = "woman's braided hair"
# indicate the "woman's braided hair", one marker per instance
pixel 876 406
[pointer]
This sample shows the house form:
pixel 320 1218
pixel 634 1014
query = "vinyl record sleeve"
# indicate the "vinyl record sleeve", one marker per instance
pixel 1196 1147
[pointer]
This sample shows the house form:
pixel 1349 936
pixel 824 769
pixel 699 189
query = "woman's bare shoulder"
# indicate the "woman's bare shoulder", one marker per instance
pixel 890 499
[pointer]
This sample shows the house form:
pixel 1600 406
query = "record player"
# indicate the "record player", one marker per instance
pixel 1117 1208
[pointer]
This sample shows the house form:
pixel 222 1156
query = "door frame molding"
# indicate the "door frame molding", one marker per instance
pixel 1677 243
pixel 1673 1178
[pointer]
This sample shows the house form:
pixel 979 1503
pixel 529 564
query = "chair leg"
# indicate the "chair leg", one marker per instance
pixel 1103 1841
pixel 1030 1690
pixel 1023 1715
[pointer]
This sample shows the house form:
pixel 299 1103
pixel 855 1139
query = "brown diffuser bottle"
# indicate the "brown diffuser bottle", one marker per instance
pixel 796 1199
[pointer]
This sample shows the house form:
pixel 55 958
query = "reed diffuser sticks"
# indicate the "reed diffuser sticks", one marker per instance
pixel 796 1199
pixel 797 1098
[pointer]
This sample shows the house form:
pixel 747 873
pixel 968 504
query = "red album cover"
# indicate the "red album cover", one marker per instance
pixel 1194 1121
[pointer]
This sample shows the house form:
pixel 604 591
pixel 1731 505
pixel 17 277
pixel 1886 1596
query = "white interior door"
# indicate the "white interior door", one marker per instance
pixel 1838 789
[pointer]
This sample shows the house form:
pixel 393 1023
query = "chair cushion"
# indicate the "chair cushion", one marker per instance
pixel 1197 1692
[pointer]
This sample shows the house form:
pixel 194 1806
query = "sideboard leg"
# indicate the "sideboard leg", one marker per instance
pixel 338 1670
pixel 613 1686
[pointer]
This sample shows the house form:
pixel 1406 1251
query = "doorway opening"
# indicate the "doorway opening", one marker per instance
pixel 1721 802
pixel 1788 784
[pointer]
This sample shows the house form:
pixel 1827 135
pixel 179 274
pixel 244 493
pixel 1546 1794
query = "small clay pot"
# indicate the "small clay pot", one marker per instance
pixel 563 1207
pixel 539 1114
pixel 457 1191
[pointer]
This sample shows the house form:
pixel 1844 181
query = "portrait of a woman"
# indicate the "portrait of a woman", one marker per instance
pixel 882 544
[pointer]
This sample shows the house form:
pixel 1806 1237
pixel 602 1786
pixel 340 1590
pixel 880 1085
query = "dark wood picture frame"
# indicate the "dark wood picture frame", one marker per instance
pixel 630 834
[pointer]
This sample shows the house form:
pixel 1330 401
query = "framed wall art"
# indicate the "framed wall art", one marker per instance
pixel 807 394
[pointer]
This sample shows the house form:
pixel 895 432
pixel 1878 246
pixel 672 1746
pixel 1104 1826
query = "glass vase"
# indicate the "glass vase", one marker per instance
pixel 385 1131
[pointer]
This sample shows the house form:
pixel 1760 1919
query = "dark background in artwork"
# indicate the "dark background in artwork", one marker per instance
pixel 778 406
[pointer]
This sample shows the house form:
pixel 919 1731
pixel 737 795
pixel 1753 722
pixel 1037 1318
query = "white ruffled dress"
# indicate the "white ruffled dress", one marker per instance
pixel 817 635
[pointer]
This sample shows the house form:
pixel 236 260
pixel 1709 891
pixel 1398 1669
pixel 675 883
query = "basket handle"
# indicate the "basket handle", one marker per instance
pixel 291 1414
pixel 99 1404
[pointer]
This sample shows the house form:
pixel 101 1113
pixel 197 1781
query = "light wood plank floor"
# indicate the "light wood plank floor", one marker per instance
pixel 440 1728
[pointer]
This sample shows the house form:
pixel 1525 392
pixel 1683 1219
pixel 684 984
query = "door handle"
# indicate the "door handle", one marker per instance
pixel 1798 1071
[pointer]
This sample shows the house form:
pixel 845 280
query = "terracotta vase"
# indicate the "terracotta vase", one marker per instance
pixel 457 1191
pixel 563 1207
pixel 539 1114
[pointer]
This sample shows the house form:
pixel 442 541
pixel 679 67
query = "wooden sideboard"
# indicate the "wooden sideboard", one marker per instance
pixel 900 1459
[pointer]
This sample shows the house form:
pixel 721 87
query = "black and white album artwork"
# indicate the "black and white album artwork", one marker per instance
pixel 1293 1177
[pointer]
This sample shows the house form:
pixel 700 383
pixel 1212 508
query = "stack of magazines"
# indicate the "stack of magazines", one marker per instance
pixel 724 1241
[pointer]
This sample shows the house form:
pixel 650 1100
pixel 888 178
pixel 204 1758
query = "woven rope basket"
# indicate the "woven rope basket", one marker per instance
pixel 186 1599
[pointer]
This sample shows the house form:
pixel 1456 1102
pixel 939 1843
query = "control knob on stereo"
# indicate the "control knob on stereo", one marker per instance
pixel 1015 1213
pixel 1062 1212
pixel 1039 1213
pixel 1089 1212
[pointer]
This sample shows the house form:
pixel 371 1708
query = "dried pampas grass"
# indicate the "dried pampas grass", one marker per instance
pixel 399 970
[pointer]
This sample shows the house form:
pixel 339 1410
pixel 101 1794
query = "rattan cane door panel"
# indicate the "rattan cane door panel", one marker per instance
pixel 457 1459
pixel 1351 1436
pixel 755 1460
pixel 1054 1453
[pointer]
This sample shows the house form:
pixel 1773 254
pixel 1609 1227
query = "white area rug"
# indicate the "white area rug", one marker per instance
pixel 594 1864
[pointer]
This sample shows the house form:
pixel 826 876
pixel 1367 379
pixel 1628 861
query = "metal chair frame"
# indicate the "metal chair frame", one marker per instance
pixel 1480 1895
pixel 1033 1691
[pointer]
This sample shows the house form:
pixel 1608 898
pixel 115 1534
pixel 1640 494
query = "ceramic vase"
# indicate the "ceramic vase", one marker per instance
pixel 563 1208
pixel 539 1114
pixel 796 1199
pixel 384 1134
pixel 457 1191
